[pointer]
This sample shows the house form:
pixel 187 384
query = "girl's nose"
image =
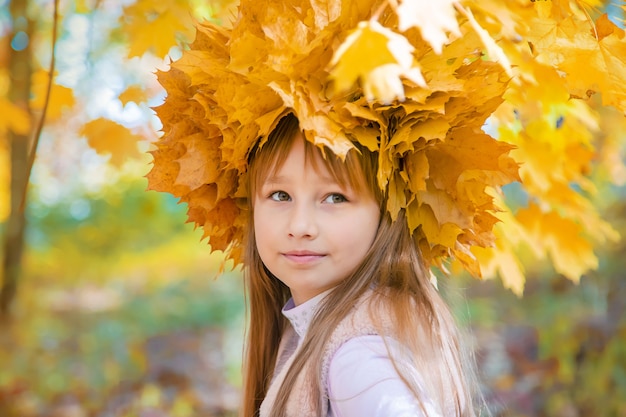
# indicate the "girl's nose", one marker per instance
pixel 302 222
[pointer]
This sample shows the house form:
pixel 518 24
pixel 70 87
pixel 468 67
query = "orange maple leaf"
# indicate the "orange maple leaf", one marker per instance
pixel 110 138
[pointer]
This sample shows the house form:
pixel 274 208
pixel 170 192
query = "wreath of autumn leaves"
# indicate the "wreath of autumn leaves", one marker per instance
pixel 414 82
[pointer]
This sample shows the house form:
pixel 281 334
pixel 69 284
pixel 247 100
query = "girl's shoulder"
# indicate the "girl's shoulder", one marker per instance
pixel 363 379
pixel 370 316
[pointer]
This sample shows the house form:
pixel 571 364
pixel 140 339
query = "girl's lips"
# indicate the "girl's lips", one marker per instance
pixel 303 257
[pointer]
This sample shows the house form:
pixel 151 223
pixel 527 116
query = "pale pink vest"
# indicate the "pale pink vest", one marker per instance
pixel 300 404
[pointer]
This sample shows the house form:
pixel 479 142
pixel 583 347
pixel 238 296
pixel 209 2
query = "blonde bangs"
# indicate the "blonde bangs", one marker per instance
pixel 357 171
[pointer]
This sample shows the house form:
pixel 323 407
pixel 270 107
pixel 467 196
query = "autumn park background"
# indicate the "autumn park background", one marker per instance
pixel 112 304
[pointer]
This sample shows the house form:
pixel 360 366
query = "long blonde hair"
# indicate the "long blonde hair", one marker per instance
pixel 422 322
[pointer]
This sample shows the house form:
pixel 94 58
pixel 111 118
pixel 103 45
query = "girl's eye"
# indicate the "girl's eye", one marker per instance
pixel 335 198
pixel 280 196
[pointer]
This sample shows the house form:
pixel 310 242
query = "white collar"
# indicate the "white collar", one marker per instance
pixel 300 316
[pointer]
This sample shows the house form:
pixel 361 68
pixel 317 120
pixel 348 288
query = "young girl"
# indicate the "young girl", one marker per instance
pixel 344 320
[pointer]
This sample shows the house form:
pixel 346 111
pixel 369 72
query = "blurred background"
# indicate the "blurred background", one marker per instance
pixel 112 305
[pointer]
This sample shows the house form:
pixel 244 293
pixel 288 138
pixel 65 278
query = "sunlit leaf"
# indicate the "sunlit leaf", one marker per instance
pixel 61 98
pixel 133 93
pixel 571 253
pixel 13 118
pixel 379 72
pixel 435 20
pixel 155 26
pixel 110 138
pixel 564 44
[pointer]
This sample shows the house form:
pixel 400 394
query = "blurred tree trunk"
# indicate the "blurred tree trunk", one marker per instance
pixel 20 68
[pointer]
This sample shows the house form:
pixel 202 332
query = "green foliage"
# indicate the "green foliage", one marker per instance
pixel 120 217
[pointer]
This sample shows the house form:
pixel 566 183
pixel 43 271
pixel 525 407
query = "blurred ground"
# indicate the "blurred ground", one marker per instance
pixel 175 353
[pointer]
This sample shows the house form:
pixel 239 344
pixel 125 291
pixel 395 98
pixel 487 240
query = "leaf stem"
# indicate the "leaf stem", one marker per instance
pixel 37 136
pixel 382 8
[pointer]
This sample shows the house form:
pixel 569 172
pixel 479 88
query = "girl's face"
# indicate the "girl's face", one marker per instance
pixel 311 232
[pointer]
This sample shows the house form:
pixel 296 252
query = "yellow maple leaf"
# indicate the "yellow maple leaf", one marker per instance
pixel 284 25
pixel 155 25
pixel 562 239
pixel 13 118
pixel 417 171
pixel 462 254
pixel 494 52
pixel 435 20
pixel 469 149
pixel 442 234
pixel 325 12
pixel 445 207
pixel 208 209
pixel 580 209
pixel 200 163
pixel 606 65
pixel 397 198
pixel 502 262
pixel 61 98
pixel 502 258
pixel 482 233
pixel 110 138
pixel 134 93
pixel 380 71
pixel 566 43
pixel 193 64
pixel 318 128
pixel 163 179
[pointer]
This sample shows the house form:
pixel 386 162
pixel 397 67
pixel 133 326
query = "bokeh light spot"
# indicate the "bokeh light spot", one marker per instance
pixel 20 41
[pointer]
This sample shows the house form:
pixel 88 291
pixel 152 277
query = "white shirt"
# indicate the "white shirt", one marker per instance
pixel 362 381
